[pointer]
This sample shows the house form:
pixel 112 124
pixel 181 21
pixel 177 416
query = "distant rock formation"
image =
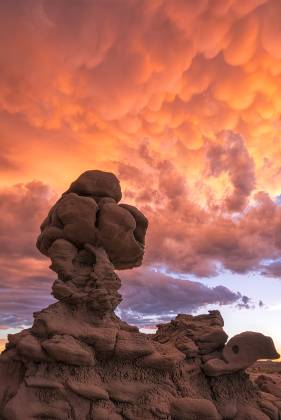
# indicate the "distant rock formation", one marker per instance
pixel 79 361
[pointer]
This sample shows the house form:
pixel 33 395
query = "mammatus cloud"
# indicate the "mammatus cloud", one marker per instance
pixel 203 240
pixel 96 79
pixel 231 156
pixel 82 83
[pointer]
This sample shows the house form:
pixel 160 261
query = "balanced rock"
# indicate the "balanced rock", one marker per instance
pixel 80 361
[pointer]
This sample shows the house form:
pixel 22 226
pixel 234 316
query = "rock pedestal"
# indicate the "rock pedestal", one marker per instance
pixel 79 361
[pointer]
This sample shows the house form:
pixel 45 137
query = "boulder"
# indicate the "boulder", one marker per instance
pixel 201 334
pixel 241 351
pixel 96 183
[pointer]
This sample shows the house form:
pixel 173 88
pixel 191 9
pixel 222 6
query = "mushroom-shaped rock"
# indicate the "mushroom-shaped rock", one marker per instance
pixel 241 351
pixel 96 183
pixel 88 214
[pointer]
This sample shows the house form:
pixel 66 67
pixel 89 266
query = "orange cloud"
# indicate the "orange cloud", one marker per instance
pixel 145 88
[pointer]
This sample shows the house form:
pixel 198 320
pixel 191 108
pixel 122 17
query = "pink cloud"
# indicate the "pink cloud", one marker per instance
pixel 189 237
pixel 22 209
pixel 232 157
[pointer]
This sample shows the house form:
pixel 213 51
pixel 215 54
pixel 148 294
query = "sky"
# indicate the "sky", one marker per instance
pixel 182 101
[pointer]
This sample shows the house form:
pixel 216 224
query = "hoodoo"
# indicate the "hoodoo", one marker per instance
pixel 79 361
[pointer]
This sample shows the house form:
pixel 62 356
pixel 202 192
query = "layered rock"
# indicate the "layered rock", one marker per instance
pixel 80 361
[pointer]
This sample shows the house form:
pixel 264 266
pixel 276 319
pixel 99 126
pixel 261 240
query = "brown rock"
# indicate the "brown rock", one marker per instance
pixel 141 222
pixel 241 352
pixel 66 349
pixel 211 340
pixel 23 406
pixel 129 391
pixel 14 339
pixel 272 389
pixel 62 254
pixel 116 234
pixel 167 360
pixel 49 235
pixel 97 184
pixel 30 347
pixel 227 408
pixel 186 346
pixel 194 409
pixel 197 334
pixel 130 345
pixel 101 413
pixel 88 390
pixel 249 346
pixel 102 339
pixel 269 409
pixel 79 360
pixel 11 377
pixel 42 382
pixel 250 413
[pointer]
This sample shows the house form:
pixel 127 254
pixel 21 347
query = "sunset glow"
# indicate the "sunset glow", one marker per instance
pixel 181 100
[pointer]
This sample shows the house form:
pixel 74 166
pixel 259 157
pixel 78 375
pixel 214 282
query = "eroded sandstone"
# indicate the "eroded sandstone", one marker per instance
pixel 80 361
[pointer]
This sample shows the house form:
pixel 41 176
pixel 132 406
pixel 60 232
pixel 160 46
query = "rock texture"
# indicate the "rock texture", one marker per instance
pixel 79 361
